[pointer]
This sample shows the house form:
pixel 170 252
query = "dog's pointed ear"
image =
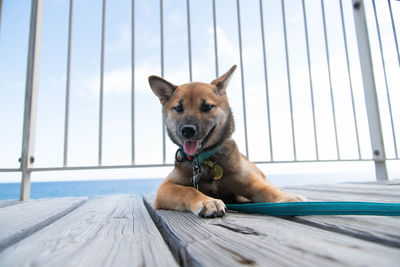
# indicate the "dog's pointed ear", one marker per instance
pixel 222 82
pixel 163 89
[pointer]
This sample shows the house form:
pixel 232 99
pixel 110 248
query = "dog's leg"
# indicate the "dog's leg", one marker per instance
pixel 178 197
pixel 259 190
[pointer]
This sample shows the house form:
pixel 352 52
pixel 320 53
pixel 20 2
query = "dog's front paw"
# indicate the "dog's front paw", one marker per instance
pixel 210 208
pixel 289 197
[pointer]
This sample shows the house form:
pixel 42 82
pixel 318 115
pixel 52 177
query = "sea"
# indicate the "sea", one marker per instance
pixel 142 187
pixel 81 188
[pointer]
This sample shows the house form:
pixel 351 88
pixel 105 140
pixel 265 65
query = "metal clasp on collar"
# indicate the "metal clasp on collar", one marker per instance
pixel 197 172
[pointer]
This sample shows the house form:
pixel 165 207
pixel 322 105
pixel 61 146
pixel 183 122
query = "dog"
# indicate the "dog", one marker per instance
pixel 209 169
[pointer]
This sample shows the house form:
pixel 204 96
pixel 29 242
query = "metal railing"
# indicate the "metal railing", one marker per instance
pixel 367 67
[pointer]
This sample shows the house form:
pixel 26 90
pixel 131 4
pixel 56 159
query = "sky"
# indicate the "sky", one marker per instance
pixel 85 82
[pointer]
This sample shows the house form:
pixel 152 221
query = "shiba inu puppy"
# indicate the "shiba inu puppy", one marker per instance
pixel 209 169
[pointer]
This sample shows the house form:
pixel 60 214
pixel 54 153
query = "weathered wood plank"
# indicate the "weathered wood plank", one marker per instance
pixel 106 231
pixel 391 191
pixel 242 239
pixel 20 220
pixel 383 230
pixel 329 195
pixel 379 229
pixel 383 182
pixel 6 203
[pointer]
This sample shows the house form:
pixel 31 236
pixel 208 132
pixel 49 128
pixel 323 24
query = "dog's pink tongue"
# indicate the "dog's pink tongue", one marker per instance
pixel 190 147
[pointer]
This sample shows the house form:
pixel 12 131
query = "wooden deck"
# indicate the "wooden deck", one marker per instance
pixel 118 230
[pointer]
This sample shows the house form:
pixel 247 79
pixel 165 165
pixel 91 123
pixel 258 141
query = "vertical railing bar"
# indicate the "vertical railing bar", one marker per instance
pixel 162 36
pixel 394 32
pixel 30 102
pixel 289 80
pixel 310 79
pixel 133 83
pixel 385 76
pixel 395 37
pixel 1 12
pixel 271 154
pixel 103 24
pixel 68 83
pixel 215 40
pixel 189 40
pixel 242 79
pixel 350 80
pixel 162 70
pixel 330 78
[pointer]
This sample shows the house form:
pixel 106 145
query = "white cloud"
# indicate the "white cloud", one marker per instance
pixel 123 43
pixel 117 81
pixel 226 49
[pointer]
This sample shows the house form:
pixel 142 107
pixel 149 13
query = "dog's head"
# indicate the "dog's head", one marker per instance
pixel 197 115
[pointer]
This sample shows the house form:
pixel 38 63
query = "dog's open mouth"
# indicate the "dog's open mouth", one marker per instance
pixel 191 147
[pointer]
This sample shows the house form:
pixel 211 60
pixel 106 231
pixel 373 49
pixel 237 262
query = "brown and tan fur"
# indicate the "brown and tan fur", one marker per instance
pixel 184 105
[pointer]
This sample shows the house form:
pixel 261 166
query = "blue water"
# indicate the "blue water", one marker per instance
pixel 146 186
pixel 82 188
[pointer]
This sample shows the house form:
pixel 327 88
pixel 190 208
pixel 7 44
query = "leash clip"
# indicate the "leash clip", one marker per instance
pixel 197 171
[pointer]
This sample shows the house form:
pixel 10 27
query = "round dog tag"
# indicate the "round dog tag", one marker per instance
pixel 218 172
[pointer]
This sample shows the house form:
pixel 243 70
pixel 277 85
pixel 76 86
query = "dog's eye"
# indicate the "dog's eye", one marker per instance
pixel 206 107
pixel 178 108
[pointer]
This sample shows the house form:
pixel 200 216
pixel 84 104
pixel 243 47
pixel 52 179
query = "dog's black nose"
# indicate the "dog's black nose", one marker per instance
pixel 188 131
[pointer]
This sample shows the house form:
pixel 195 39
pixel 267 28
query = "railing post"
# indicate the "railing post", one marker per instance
pixel 371 98
pixel 31 88
pixel 1 12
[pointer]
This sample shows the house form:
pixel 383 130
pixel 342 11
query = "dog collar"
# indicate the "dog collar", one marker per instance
pixel 217 171
pixel 200 158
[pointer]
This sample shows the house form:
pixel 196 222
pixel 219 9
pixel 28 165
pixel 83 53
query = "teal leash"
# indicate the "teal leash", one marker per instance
pixel 299 208
pixel 319 208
